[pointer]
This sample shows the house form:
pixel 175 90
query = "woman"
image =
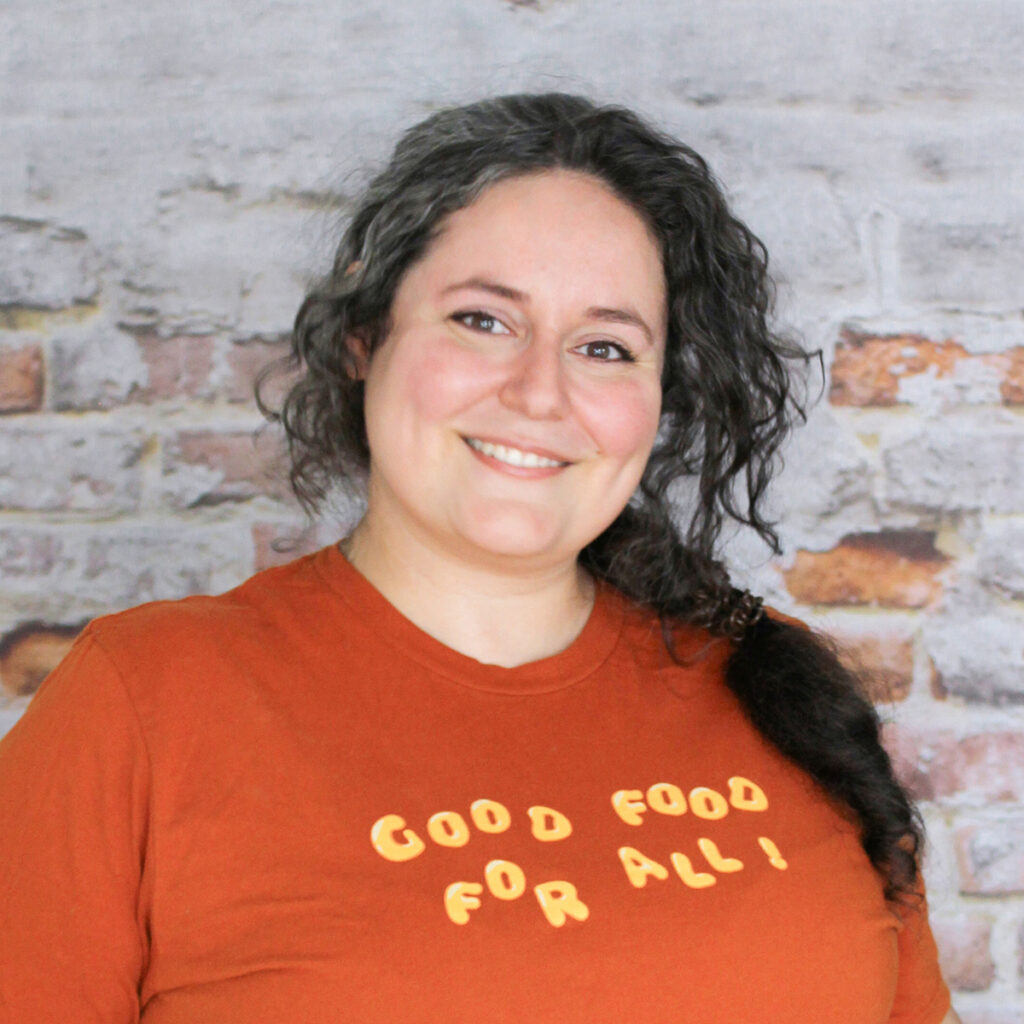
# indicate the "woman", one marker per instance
pixel 516 749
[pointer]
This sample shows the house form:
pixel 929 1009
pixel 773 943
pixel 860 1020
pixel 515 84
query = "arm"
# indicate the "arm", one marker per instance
pixel 73 804
pixel 921 991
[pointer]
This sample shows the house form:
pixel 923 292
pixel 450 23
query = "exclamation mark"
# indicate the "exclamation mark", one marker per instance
pixel 774 857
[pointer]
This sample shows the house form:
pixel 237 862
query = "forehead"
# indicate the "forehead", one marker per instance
pixel 562 223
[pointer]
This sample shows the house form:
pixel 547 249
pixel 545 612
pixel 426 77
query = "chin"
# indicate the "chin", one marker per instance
pixel 509 536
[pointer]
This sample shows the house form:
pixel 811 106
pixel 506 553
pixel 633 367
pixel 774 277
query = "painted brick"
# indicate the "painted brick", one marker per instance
pixel 825 491
pixel 991 1014
pixel 21 379
pixel 898 569
pixel 29 653
pixel 246 359
pixel 27 554
pixel 812 240
pixel 96 369
pixel 131 564
pixel 45 266
pixel 990 856
pixel 209 467
pixel 976 264
pixel 965 952
pixel 956 463
pixel 107 367
pixel 67 570
pixel 1001 557
pixel 863 57
pixel 977 650
pixel 69 470
pixel 218 262
pixel 1020 957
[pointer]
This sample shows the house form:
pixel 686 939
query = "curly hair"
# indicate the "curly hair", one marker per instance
pixel 729 399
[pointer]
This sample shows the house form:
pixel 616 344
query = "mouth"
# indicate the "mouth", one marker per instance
pixel 511 456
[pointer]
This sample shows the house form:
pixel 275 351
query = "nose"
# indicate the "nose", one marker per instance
pixel 535 386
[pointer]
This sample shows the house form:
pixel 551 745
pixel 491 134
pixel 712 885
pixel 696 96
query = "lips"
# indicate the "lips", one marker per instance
pixel 516 455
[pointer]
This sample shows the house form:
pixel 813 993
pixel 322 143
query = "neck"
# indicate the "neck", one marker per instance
pixel 498 618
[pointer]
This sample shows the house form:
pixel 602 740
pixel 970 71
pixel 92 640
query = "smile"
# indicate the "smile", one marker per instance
pixel 513 456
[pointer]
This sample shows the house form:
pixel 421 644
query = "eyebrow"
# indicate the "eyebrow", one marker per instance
pixel 606 313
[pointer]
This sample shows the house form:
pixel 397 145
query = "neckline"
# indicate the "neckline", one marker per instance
pixel 591 648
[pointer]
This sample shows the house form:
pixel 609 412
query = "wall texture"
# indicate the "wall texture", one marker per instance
pixel 171 174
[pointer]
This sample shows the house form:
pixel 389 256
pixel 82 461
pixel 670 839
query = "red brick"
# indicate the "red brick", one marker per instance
pixel 885 662
pixel 867 369
pixel 905 751
pixel 178 366
pixel 21 379
pixel 245 361
pixel 1011 369
pixel 898 569
pixel 246 464
pixel 30 652
pixel 987 767
pixel 277 543
pixel 965 954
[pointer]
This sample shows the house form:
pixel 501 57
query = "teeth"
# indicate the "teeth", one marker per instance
pixel 513 456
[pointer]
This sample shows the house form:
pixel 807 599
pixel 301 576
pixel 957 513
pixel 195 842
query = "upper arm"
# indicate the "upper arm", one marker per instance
pixel 921 992
pixel 73 806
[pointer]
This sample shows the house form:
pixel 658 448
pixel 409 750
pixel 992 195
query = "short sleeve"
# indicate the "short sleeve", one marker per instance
pixel 922 996
pixel 74 783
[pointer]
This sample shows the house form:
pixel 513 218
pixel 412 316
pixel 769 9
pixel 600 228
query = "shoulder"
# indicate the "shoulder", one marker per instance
pixel 267 609
pixel 646 639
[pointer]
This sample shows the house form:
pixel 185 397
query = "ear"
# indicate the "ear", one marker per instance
pixel 355 343
pixel 360 353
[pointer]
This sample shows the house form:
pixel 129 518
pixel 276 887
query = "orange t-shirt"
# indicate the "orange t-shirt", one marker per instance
pixel 288 803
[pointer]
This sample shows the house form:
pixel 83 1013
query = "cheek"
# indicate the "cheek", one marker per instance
pixel 427 383
pixel 449 379
pixel 624 423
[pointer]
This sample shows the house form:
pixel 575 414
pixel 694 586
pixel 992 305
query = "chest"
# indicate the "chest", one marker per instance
pixel 467 859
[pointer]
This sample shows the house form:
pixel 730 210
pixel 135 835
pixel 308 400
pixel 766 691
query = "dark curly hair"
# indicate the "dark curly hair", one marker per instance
pixel 729 400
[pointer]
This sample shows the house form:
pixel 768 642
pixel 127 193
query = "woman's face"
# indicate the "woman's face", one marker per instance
pixel 511 410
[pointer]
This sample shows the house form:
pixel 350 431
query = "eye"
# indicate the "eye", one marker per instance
pixel 608 352
pixel 478 320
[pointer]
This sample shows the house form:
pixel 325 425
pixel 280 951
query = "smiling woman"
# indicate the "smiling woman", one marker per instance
pixel 504 439
pixel 515 748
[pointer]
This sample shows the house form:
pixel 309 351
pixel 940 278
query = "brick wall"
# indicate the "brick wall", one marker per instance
pixel 172 173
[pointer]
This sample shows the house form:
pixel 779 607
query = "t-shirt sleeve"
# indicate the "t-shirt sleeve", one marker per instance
pixel 922 996
pixel 74 783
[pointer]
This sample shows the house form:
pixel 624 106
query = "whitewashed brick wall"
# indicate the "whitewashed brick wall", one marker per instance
pixel 172 173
